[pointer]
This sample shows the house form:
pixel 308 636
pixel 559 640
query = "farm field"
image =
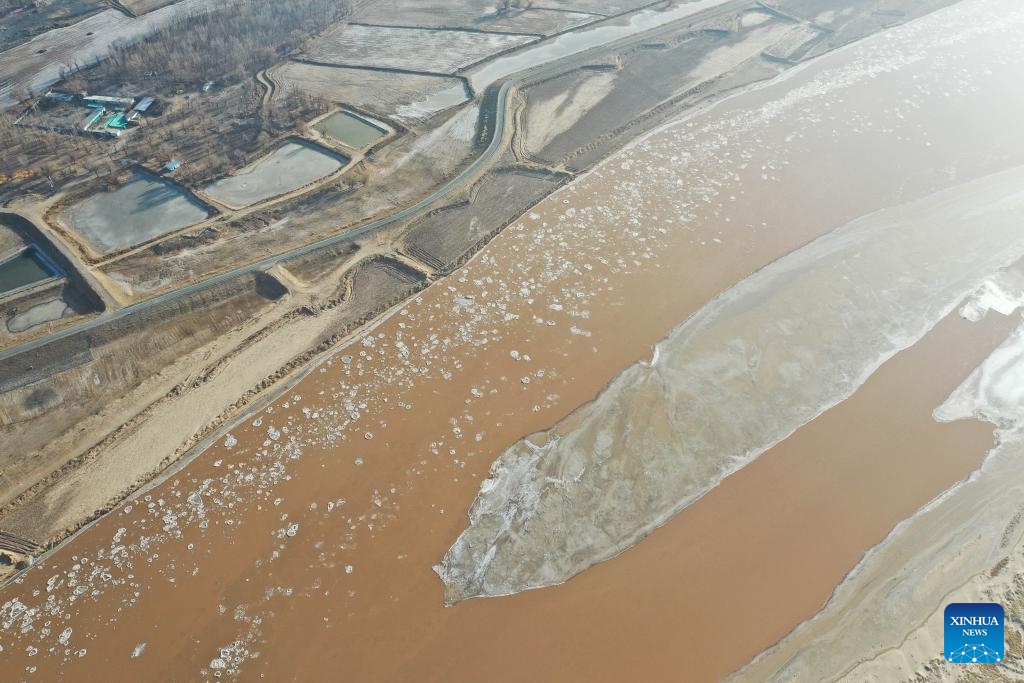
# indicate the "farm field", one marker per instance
pixel 540 20
pixel 601 7
pixel 483 14
pixel 447 235
pixel 22 20
pixel 140 7
pixel 422 50
pixel 387 94
pixel 476 14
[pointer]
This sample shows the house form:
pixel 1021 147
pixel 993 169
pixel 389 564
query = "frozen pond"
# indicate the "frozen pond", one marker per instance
pixel 143 208
pixel 287 168
pixel 350 130
pixel 25 269
pixel 38 315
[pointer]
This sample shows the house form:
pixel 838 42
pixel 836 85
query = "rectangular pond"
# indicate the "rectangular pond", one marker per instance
pixel 350 130
pixel 27 268
pixel 143 208
pixel 289 167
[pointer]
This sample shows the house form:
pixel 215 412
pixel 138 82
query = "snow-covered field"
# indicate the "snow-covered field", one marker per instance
pixel 392 95
pixel 413 49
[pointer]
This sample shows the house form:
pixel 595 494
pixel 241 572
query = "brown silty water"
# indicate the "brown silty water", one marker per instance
pixel 376 455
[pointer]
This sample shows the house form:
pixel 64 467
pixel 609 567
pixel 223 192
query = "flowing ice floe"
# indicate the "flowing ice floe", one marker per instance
pixel 994 392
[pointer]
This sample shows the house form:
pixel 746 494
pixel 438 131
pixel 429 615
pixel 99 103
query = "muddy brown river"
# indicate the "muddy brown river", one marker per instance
pixel 301 546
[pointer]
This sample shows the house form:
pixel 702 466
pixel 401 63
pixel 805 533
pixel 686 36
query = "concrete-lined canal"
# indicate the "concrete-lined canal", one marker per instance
pixel 25 269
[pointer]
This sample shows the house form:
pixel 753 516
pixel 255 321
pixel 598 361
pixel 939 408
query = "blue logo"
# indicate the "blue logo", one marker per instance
pixel 974 632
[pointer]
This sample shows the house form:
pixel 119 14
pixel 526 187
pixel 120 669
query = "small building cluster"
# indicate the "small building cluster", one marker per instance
pixel 83 113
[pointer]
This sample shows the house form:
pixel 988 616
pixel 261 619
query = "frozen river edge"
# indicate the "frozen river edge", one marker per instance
pixel 764 358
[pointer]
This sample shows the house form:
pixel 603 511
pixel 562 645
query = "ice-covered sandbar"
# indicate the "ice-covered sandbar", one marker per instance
pixel 764 358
